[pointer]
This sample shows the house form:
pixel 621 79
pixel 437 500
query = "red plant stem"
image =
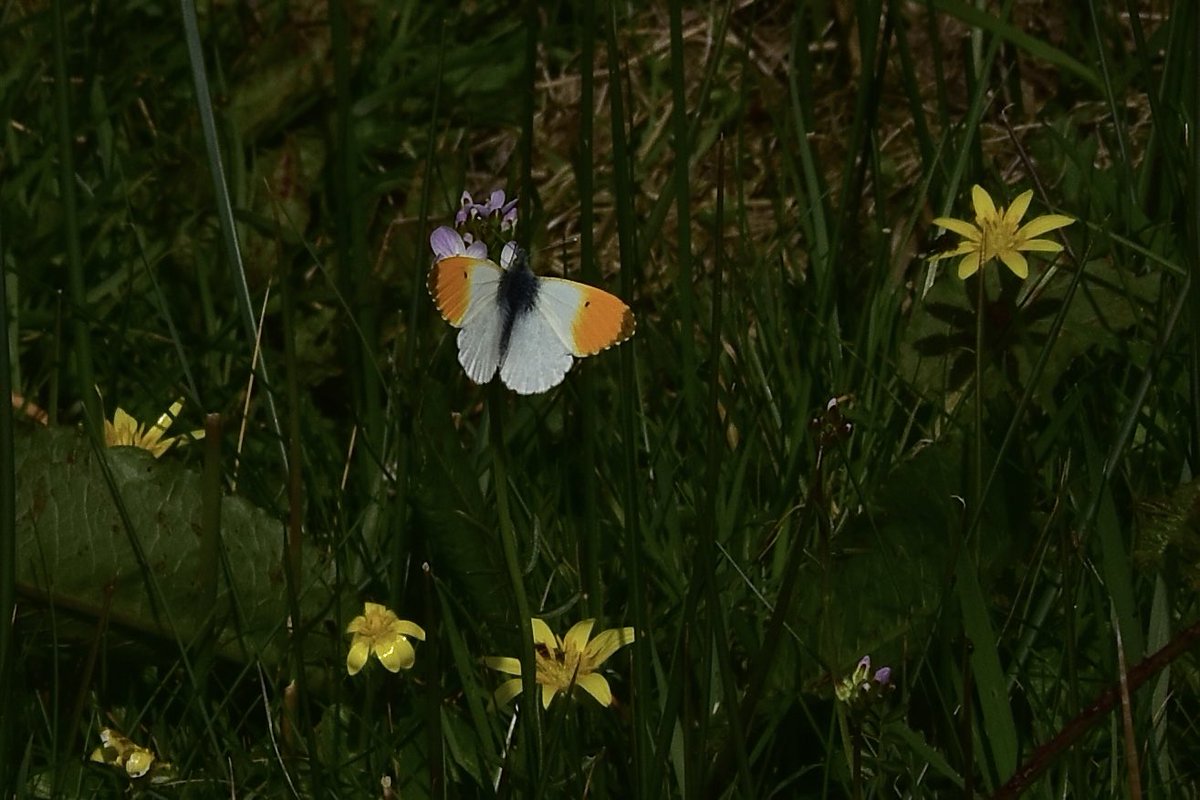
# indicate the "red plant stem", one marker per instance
pixel 1145 669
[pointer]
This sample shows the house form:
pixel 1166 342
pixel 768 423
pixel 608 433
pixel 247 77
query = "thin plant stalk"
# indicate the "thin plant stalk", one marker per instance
pixel 622 160
pixel 8 552
pixel 593 599
pixel 530 722
pixel 84 369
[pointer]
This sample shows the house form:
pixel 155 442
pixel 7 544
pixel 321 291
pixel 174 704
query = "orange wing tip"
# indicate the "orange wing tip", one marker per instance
pixel 601 322
pixel 449 285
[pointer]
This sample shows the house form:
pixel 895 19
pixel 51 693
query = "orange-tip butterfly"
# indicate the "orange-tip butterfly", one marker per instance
pixel 528 328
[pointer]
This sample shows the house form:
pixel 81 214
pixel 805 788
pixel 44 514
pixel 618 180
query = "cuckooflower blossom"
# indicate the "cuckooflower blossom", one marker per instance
pixel 479 219
pixel 998 233
pixel 381 632
pixel 857 686
pixel 446 242
pixel 118 751
pixel 125 431
pixel 467 209
pixel 573 660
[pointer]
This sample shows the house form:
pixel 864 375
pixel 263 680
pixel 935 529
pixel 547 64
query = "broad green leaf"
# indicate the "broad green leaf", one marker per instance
pixel 73 547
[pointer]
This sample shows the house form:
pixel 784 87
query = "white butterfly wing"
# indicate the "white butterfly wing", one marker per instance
pixel 465 291
pixel 479 346
pixel 536 359
pixel 586 319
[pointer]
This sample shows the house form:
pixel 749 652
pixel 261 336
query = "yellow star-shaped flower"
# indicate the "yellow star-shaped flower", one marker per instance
pixel 125 431
pixel 562 663
pixel 998 233
pixel 381 632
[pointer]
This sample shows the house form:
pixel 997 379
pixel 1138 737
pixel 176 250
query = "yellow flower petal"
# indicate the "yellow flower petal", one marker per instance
pixel 360 648
pixel 962 249
pixel 124 428
pixel 1015 262
pixel 548 693
pixel 508 690
pixel 984 207
pixel 542 633
pixel 969 265
pixel 408 628
pixel 961 227
pixel 509 666
pixel 595 685
pixel 1039 225
pixel 396 654
pixel 159 428
pixel 139 762
pixel 1040 246
pixel 1012 217
pixel 576 640
pixel 605 644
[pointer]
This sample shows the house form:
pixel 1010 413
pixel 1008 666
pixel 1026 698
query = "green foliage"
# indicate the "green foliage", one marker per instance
pixel 76 548
pixel 232 202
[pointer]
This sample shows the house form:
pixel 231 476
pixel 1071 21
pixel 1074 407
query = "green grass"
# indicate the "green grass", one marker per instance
pixel 232 204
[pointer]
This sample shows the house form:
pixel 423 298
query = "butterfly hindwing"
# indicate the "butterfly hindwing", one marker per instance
pixel 536 359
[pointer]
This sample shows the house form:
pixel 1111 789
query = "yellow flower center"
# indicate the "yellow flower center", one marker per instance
pixel 376 626
pixel 559 668
pixel 997 236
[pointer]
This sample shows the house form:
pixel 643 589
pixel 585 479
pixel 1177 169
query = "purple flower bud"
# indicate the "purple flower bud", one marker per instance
pixel 883 676
pixel 509 221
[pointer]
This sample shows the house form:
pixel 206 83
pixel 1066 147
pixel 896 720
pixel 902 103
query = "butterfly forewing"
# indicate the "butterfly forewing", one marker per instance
pixel 586 319
pixel 464 290
pixel 462 286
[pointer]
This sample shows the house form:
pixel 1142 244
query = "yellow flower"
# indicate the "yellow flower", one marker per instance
pixel 998 234
pixel 563 663
pixel 118 751
pixel 125 431
pixel 381 632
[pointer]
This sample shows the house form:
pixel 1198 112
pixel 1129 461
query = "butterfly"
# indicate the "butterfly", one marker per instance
pixel 528 328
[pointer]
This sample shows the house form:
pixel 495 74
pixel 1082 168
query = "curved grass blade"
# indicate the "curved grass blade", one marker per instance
pixel 208 125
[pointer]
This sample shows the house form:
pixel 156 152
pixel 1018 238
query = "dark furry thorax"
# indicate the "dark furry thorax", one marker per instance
pixel 517 295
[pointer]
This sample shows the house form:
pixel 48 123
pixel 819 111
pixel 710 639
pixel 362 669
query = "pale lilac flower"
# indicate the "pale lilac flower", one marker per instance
pixel 857 688
pixel 446 242
pixel 494 203
pixel 466 209
pixel 508 215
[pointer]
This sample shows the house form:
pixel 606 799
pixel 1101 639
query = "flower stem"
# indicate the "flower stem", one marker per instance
pixel 977 473
pixel 530 723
